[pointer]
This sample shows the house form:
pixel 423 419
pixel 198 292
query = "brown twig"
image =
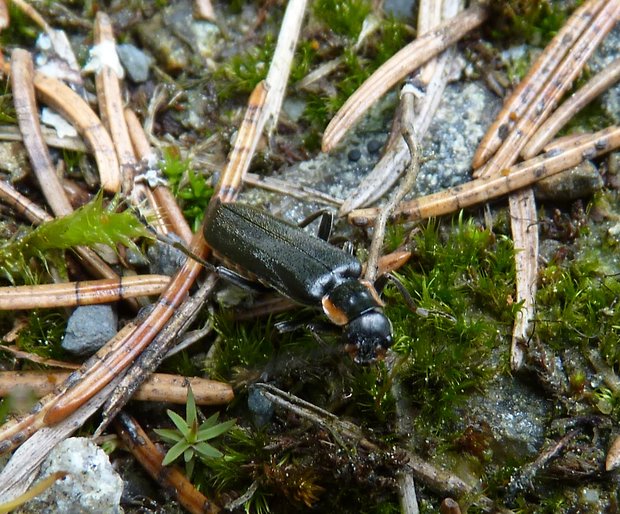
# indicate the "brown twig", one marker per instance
pixel 484 189
pixel 72 294
pixel 159 387
pixel 588 92
pixel 170 478
pixel 397 68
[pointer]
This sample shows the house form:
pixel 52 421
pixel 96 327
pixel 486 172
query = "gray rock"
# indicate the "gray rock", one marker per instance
pixel 581 181
pixel 464 115
pixel 135 62
pixel 261 408
pixel 165 259
pixel 516 415
pixel 91 485
pixel 89 328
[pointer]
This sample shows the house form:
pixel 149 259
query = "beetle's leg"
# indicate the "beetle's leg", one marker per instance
pixel 239 280
pixel 314 326
pixel 325 226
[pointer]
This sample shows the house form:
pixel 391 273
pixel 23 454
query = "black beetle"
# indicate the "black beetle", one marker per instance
pixel 304 268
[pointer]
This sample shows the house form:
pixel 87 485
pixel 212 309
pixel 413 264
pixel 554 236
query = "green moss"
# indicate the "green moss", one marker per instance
pixel 532 21
pixel 22 31
pixel 463 278
pixel 89 225
pixel 344 17
pixel 242 72
pixel 190 188
pixel 574 307
pixel 43 334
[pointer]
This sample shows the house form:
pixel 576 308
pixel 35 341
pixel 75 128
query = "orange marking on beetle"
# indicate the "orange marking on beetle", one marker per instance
pixel 335 315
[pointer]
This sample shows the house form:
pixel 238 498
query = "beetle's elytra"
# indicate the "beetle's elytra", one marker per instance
pixel 304 268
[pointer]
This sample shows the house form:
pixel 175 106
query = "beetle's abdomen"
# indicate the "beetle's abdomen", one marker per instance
pixel 297 264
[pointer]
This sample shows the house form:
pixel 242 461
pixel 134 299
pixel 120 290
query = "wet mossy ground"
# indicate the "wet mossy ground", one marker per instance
pixel 464 409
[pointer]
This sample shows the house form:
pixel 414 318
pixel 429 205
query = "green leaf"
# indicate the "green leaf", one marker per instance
pixel 205 434
pixel 190 408
pixel 207 451
pixel 175 452
pixel 179 423
pixel 169 435
pixel 211 421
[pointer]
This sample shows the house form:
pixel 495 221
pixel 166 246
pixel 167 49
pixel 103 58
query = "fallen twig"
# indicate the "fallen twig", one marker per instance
pixel 582 97
pixel 159 387
pixel 170 478
pixel 89 292
pixel 482 190
pixel 397 68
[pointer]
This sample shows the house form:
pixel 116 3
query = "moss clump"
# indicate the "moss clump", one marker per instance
pixel 463 279
pixel 242 72
pixel 191 188
pixel 344 17
pixel 532 21
pixel 89 225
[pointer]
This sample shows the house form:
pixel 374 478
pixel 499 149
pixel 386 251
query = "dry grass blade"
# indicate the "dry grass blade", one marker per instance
pixel 72 294
pixel 543 93
pixel 111 103
pixel 11 133
pixel 287 188
pixel 487 188
pixel 36 358
pixel 28 119
pixel 523 211
pixel 397 68
pixel 61 98
pixel 159 387
pixel 515 106
pixel 588 92
pixel 170 478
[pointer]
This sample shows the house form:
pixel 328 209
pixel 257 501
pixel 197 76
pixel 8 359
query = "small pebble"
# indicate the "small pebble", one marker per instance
pixel 354 155
pixel 374 145
pixel 260 407
pixel 135 62
pixel 89 328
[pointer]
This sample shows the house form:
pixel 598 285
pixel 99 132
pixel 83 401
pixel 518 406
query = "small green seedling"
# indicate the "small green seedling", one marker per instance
pixel 189 438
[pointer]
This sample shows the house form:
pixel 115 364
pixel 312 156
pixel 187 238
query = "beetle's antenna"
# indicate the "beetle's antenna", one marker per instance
pixel 182 248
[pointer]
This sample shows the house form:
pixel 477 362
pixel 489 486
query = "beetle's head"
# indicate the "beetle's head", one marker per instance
pixel 368 337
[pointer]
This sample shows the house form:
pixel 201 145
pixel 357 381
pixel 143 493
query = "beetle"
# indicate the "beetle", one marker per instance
pixel 304 268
